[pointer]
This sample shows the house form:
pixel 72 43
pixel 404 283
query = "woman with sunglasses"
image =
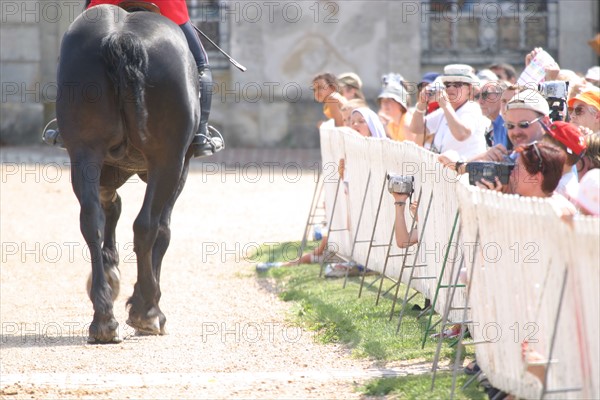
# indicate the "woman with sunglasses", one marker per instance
pixel 458 124
pixel 584 110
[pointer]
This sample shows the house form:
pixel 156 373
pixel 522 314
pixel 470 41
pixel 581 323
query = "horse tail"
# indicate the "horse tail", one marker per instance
pixel 126 60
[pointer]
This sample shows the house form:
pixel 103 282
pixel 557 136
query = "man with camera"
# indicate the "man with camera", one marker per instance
pixel 525 117
pixel 458 124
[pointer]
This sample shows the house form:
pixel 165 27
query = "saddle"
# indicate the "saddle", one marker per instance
pixel 133 6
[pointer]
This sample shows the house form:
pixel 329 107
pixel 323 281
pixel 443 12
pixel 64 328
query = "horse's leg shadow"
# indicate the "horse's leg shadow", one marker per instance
pixel 151 237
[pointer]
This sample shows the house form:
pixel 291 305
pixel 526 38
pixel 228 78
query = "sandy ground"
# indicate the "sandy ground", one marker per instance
pixel 229 336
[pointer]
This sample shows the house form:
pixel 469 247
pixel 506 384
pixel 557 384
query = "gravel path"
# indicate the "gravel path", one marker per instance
pixel 228 332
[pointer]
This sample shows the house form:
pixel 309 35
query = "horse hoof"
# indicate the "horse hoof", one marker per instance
pixel 145 327
pixel 104 332
pixel 115 340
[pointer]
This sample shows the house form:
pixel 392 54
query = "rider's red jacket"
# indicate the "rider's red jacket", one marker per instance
pixel 175 10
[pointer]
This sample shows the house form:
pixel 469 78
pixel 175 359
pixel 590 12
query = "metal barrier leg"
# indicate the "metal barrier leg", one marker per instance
pixel 412 270
pixel 311 214
pixel 337 190
pixel 439 284
pixel 364 273
pixel 354 241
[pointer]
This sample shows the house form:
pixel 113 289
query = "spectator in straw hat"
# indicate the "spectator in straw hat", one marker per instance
pixel 350 86
pixel 393 111
pixel 584 109
pixel 567 137
pixel 458 124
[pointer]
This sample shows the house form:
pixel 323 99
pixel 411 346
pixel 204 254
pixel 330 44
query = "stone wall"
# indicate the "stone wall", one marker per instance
pixel 282 43
pixel 29 42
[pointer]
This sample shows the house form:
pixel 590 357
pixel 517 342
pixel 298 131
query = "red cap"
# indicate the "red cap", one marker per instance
pixel 569 135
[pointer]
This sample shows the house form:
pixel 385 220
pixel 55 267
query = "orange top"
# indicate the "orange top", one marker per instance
pixel 175 10
pixel 397 131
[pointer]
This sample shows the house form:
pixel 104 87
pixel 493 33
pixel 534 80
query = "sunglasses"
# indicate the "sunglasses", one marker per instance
pixel 488 95
pixel 577 110
pixel 521 124
pixel 525 152
pixel 457 85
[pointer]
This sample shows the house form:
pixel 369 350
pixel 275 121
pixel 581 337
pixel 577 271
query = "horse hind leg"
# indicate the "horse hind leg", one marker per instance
pixel 111 178
pixel 144 313
pixel 163 240
pixel 104 327
pixel 111 205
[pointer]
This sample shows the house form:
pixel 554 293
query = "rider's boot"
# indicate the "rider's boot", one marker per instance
pixel 52 136
pixel 208 140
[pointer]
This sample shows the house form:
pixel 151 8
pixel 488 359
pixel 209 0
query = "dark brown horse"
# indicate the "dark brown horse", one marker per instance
pixel 128 104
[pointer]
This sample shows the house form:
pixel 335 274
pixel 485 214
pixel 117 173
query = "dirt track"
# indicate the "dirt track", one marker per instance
pixel 228 333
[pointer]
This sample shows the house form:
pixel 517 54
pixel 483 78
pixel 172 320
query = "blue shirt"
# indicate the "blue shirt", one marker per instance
pixel 500 133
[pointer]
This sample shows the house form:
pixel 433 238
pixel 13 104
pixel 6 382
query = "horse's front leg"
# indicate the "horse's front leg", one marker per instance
pixel 85 172
pixel 144 313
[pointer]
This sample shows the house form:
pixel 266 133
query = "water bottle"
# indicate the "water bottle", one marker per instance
pixel 317 232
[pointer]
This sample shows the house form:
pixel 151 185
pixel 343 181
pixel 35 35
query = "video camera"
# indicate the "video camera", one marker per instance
pixel 479 170
pixel 401 184
pixel 555 92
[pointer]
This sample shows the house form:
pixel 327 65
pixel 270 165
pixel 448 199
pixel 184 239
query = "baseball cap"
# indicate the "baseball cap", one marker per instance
pixel 487 75
pixel 529 99
pixel 429 77
pixel 569 135
pixel 590 97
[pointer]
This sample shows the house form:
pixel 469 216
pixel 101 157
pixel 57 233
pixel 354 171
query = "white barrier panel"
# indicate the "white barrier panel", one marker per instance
pixel 523 252
pixel 364 156
pixel 332 151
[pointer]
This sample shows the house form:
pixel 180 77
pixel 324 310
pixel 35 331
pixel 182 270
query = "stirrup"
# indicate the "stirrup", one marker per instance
pixel 52 136
pixel 210 144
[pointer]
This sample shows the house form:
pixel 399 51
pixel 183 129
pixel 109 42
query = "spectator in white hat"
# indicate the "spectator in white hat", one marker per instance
pixel 593 76
pixel 458 124
pixel 393 111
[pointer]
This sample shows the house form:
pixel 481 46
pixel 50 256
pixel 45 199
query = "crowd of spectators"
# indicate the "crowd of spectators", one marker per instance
pixel 469 116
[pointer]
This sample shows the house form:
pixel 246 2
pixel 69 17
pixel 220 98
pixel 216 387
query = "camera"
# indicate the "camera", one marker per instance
pixel 555 93
pixel 401 184
pixel 432 90
pixel 479 170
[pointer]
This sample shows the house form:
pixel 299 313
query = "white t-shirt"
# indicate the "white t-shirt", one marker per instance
pixel 568 186
pixel 470 115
